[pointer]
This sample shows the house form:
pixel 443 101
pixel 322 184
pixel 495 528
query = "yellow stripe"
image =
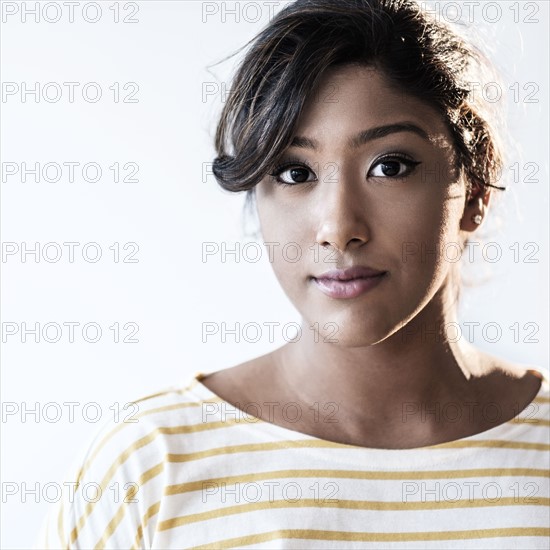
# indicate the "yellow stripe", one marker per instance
pixel 318 443
pixel 349 474
pixel 254 447
pixel 130 494
pixel 541 400
pixel 112 525
pixel 310 534
pixel 151 511
pixel 494 443
pixel 151 473
pixel 531 421
pixel 527 420
pixel 353 474
pixel 60 526
pixel 347 504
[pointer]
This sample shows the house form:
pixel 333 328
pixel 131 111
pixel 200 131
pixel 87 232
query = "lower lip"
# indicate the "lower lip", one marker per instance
pixel 348 289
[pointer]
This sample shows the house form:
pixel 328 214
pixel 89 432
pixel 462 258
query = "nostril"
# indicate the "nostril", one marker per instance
pixel 328 244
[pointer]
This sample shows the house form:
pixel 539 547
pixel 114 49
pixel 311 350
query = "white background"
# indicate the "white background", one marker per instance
pixel 172 210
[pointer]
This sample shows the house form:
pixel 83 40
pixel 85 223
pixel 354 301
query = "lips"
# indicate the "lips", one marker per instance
pixel 349 283
pixel 356 272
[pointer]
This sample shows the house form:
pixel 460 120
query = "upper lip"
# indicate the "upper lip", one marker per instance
pixel 355 272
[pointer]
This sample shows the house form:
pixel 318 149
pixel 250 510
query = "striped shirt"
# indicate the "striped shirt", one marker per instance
pixel 193 471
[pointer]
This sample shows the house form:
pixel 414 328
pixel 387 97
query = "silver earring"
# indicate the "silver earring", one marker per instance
pixel 477 218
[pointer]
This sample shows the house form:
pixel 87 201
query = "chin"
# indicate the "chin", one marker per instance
pixel 347 330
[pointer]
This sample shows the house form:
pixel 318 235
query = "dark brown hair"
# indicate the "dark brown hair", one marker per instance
pixel 418 54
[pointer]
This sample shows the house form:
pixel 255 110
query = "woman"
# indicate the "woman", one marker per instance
pixel 352 128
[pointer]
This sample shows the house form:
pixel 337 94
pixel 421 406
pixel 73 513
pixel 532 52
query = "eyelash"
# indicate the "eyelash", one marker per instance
pixel 297 163
pixel 290 163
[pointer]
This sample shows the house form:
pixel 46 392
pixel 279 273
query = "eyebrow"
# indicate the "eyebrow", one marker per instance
pixel 365 136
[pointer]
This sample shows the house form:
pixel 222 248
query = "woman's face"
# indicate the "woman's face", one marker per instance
pixel 364 202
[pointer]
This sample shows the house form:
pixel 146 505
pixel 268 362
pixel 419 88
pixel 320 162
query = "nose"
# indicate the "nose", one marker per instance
pixel 342 215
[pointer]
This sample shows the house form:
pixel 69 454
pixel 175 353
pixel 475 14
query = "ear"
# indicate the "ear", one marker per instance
pixel 477 204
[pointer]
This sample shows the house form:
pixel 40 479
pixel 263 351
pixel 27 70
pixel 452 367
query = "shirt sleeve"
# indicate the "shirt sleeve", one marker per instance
pixel 109 495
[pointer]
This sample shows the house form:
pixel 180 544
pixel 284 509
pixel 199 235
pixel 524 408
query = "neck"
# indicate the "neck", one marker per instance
pixel 419 364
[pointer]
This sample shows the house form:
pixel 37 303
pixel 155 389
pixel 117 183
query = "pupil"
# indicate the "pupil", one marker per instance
pixel 298 174
pixel 390 168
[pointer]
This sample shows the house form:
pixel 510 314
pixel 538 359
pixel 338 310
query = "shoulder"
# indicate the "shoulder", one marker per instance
pixel 526 388
pixel 508 381
pixel 121 473
pixel 541 402
pixel 142 423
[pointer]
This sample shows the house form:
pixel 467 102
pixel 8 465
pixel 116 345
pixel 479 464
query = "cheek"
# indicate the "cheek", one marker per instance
pixel 280 225
pixel 282 231
pixel 427 238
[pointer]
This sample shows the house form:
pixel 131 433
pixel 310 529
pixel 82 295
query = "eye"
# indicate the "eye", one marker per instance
pixel 293 173
pixel 393 166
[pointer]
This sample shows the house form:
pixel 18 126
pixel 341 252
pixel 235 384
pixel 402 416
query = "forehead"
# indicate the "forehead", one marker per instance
pixel 351 98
